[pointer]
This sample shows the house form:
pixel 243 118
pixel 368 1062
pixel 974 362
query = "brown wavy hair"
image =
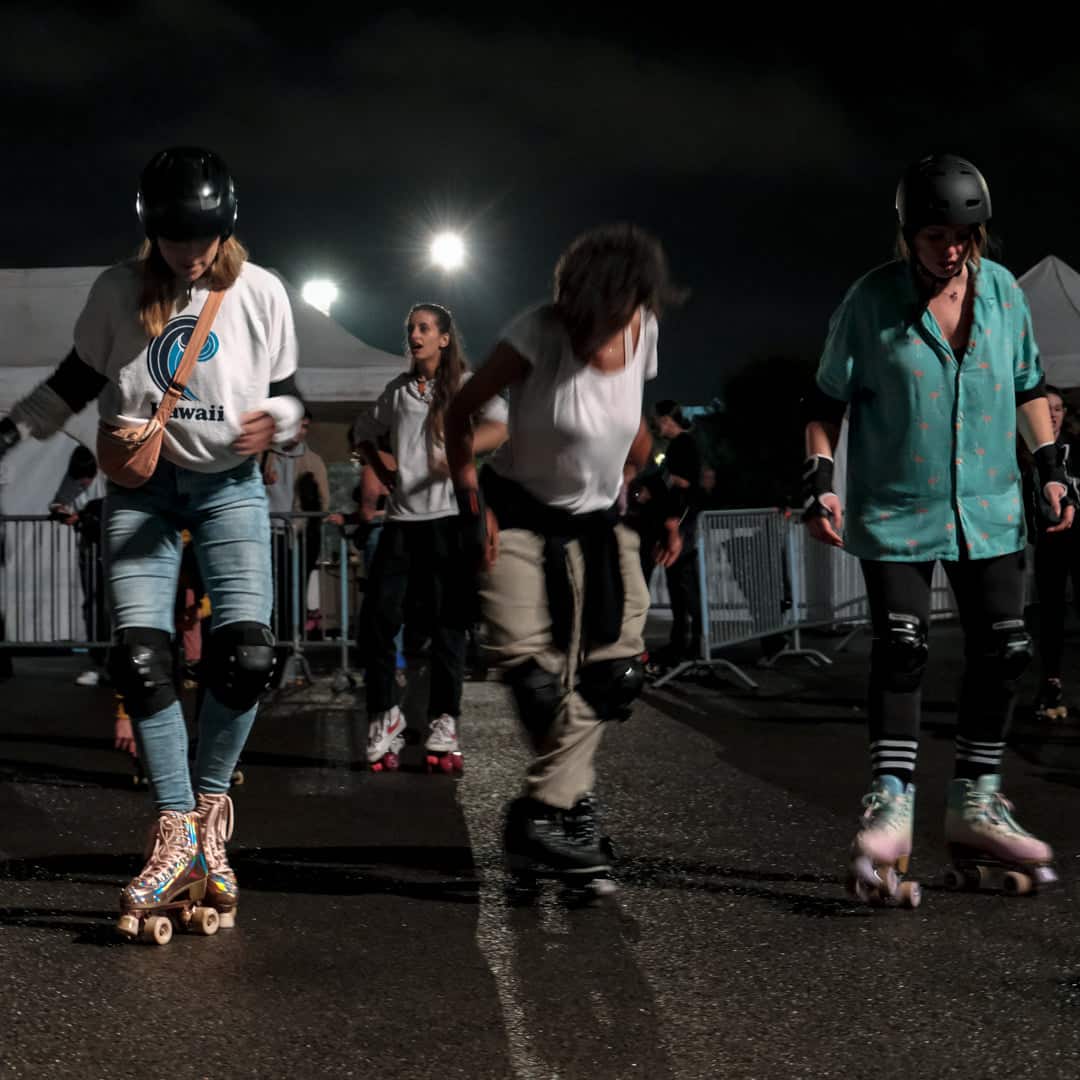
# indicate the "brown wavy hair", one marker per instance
pixel 159 289
pixel 604 276
pixel 452 366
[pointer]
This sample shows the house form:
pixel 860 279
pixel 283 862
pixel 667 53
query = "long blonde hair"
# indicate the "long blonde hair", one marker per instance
pixel 159 289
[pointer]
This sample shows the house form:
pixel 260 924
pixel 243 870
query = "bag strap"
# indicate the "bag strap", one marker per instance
pixel 192 349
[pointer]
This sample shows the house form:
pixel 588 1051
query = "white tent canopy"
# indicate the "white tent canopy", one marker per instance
pixel 339 377
pixel 1053 291
pixel 339 374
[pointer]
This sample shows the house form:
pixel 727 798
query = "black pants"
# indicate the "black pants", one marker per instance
pixel 988 592
pixel 92 578
pixel 424 556
pixel 6 670
pixel 1057 559
pixel 684 589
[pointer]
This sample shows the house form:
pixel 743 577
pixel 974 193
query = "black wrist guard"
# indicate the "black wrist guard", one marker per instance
pixel 9 435
pixel 817 480
pixel 1050 467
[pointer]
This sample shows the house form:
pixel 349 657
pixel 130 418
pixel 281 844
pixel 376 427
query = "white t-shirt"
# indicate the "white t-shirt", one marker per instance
pixel 571 426
pixel 401 413
pixel 251 344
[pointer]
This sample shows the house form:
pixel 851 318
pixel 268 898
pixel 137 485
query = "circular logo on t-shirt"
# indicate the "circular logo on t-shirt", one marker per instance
pixel 164 353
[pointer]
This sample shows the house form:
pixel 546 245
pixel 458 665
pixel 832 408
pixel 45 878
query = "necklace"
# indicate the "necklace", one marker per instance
pixel 422 388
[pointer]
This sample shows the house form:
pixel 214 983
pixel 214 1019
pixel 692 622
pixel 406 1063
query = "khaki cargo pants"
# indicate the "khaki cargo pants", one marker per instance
pixel 515 607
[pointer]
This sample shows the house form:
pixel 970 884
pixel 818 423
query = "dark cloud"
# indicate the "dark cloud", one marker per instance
pixel 765 155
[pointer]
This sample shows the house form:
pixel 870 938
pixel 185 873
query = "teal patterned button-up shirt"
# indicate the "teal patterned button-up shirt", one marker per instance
pixel 931 457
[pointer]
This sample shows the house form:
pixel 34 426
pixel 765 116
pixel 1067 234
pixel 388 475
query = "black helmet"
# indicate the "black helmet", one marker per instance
pixel 942 189
pixel 186 193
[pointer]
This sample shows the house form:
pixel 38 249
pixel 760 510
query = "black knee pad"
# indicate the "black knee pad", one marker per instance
pixel 538 694
pixel 1011 649
pixel 141 668
pixel 610 687
pixel 899 658
pixel 239 663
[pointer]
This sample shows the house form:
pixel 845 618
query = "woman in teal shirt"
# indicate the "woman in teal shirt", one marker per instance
pixel 933 359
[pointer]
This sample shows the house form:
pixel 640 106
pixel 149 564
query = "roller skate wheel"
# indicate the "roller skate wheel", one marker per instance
pixel 157 930
pixel 377 766
pixel 205 921
pixel 458 761
pixel 391 762
pixel 910 894
pixel 955 880
pixel 227 919
pixel 1017 884
pixel 432 763
pixel 599 887
pixel 862 892
pixel 890 881
pixel 447 764
pixel 237 778
pixel 1044 875
pixel 128 925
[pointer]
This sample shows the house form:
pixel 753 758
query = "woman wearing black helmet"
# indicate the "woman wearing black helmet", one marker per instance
pixel 238 400
pixel 932 357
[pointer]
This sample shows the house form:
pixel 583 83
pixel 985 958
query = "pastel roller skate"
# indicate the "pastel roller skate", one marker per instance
pixel 170 888
pixel 386 737
pixel 988 847
pixel 443 750
pixel 881 850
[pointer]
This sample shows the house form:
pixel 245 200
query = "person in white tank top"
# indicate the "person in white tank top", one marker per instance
pixel 403 443
pixel 562 591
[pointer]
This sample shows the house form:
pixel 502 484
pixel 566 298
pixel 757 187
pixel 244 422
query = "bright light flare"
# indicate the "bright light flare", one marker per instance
pixel 320 293
pixel 448 251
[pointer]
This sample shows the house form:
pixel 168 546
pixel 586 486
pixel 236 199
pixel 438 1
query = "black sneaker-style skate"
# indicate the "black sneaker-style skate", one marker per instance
pixel 538 845
pixel 581 824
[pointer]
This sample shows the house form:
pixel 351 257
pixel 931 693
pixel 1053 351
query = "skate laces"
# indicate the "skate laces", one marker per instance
pixel 992 808
pixel 580 822
pixel 218 825
pixel 171 839
pixel 442 727
pixel 883 810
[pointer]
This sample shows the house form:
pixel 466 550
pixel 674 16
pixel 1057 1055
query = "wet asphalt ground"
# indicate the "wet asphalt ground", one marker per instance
pixel 376 936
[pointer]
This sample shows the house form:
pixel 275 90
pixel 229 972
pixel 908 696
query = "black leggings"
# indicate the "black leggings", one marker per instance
pixel 990 599
pixel 423 557
pixel 1057 558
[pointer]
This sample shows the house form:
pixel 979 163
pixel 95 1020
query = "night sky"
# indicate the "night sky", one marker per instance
pixel 764 154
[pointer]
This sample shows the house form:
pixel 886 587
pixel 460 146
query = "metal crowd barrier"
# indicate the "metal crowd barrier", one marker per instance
pixel 761 575
pixel 749 588
pixel 52 595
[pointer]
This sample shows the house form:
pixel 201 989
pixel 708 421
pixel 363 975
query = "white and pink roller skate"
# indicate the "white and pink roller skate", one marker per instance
pixel 443 749
pixel 386 737
pixel 988 847
pixel 881 850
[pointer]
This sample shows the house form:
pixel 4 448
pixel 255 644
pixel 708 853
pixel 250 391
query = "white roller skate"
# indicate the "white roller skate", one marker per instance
pixel 988 847
pixel 170 888
pixel 881 850
pixel 386 737
pixel 443 750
